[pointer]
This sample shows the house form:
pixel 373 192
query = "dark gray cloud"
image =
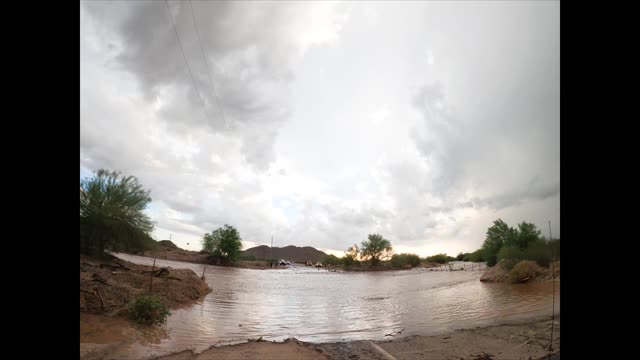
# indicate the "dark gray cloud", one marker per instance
pixel 243 59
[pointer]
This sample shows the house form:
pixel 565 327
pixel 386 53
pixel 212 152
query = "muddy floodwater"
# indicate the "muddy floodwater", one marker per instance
pixel 320 306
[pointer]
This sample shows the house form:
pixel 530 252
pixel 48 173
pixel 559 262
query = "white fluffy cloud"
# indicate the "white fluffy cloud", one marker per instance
pixel 321 122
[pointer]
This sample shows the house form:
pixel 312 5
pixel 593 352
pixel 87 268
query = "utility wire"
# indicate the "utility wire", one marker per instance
pixel 185 58
pixel 207 65
pixel 553 291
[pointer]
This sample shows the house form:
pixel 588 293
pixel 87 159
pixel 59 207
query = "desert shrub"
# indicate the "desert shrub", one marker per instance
pixel 331 260
pixel 440 258
pixel 148 310
pixel 350 260
pixel 402 260
pixel 523 270
pixel 509 256
pixel 540 252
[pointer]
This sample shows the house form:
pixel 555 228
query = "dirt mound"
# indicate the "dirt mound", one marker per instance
pixel 495 273
pixel 167 244
pixel 107 286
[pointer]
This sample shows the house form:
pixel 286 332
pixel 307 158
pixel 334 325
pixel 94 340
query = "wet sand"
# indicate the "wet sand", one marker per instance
pixel 517 341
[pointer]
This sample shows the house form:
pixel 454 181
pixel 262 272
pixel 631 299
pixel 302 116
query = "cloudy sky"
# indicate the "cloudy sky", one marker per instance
pixel 322 122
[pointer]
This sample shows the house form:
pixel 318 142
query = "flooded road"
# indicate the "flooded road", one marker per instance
pixel 320 306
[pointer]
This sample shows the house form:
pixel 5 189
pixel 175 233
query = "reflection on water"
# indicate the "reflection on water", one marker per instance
pixel 320 306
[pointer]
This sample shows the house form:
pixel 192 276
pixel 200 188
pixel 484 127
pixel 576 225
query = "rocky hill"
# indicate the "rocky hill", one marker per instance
pixel 292 253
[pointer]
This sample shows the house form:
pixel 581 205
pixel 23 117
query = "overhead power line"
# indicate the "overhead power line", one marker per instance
pixel 208 66
pixel 185 58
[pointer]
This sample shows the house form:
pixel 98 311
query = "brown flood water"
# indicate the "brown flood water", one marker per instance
pixel 320 306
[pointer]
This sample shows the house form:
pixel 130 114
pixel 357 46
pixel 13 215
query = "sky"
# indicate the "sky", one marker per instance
pixel 319 123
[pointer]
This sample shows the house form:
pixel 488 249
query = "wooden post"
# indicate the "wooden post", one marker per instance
pixel 153 269
pixel 205 268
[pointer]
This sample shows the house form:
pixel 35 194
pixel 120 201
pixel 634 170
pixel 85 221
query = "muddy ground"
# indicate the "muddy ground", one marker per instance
pixel 512 342
pixel 107 286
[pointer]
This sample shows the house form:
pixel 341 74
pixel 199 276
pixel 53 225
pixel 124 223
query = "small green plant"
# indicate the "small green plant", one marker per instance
pixel 148 310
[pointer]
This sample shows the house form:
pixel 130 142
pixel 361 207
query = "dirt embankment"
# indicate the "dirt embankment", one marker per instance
pixel 498 273
pixel 107 286
pixel 167 250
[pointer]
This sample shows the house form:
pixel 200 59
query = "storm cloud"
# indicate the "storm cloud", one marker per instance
pixel 322 122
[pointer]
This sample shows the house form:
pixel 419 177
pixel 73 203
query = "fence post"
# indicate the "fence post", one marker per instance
pixel 153 269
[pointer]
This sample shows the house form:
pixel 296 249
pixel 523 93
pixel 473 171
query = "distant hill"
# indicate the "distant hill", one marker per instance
pixel 293 253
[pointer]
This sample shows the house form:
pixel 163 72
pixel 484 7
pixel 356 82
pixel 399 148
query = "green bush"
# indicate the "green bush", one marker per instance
pixel 509 256
pixel 537 251
pixel 331 260
pixel 350 260
pixel 402 260
pixel 440 258
pixel 540 252
pixel 476 256
pixel 148 310
pixel 525 270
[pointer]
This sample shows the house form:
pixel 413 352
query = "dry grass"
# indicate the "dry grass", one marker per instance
pixel 524 271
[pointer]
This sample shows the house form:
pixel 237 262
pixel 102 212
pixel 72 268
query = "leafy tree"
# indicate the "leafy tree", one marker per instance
pixel 498 235
pixel 527 233
pixel 210 243
pixel 351 256
pixel 376 248
pixel 224 242
pixel 112 213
